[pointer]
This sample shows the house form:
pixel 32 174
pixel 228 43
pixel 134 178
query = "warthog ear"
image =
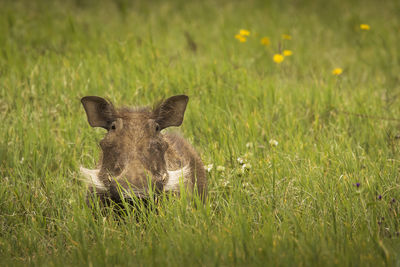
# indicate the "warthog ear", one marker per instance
pixel 100 112
pixel 171 111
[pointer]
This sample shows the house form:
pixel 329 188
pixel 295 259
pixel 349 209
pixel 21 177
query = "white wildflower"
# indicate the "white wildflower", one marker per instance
pixel 22 160
pixel 220 168
pixel 240 160
pixel 249 145
pixel 209 167
pixel 273 142
pixel 225 183
pixel 246 166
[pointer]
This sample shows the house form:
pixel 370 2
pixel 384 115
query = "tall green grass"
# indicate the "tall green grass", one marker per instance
pixel 327 194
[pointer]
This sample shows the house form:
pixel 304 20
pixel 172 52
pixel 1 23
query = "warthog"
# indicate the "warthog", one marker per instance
pixel 136 154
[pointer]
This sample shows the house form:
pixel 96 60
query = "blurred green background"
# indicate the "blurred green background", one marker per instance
pixel 318 183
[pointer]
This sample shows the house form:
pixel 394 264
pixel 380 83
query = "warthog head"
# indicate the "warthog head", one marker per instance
pixel 135 151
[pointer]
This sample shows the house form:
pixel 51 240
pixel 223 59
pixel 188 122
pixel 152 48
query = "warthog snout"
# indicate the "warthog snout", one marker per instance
pixel 135 151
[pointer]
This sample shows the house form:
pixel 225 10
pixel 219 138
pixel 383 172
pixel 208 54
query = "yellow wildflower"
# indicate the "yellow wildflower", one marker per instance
pixel 241 38
pixel 265 41
pixel 244 32
pixel 337 71
pixel 365 27
pixel 278 58
pixel 286 37
pixel 287 53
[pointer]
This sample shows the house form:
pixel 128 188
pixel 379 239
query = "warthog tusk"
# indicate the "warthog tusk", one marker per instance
pixel 92 178
pixel 175 176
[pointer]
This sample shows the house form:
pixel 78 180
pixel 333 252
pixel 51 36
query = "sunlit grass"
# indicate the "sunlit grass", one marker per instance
pixel 302 157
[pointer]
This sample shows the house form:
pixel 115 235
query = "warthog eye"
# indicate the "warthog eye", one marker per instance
pixel 112 127
pixel 157 127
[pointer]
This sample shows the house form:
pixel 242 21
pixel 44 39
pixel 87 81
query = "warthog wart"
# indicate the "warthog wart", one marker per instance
pixel 135 154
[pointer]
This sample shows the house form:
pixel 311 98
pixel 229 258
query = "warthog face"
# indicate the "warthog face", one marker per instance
pixel 134 150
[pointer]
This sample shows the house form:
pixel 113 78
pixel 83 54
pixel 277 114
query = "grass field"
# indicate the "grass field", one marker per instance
pixel 321 183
